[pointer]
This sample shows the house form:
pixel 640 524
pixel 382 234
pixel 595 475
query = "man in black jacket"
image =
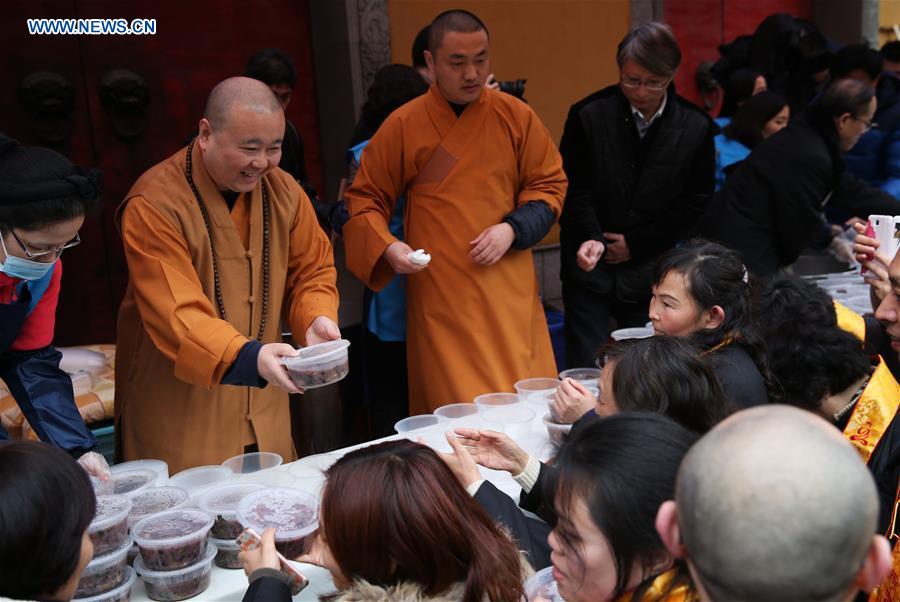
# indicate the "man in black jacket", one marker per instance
pixel 640 161
pixel 771 207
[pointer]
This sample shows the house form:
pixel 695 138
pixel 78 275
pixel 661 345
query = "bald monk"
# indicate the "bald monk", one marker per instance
pixel 221 246
pixel 484 183
pixel 773 505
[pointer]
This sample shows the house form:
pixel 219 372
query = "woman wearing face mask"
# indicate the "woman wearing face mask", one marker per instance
pixel 702 290
pixel 43 201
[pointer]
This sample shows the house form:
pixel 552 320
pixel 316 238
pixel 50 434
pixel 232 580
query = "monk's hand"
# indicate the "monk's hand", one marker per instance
pixel 269 366
pixel 397 255
pixel 571 401
pixel 493 450
pixel 322 330
pixel 492 244
pixel 589 254
pixel 617 250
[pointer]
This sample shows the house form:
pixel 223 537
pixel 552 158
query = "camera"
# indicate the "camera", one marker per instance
pixel 516 87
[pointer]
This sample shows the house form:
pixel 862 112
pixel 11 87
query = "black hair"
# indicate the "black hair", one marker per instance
pixel 392 87
pixel 458 20
pixel 738 88
pixel 46 505
pixel 840 97
pixel 809 354
pixel 715 275
pixel 891 51
pixel 752 116
pixel 272 67
pixel 667 375
pixel 623 467
pixel 41 187
pixel 856 57
pixel 420 45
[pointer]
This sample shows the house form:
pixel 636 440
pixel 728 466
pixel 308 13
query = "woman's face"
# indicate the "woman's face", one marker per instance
pixel 583 564
pixel 759 85
pixel 327 559
pixel 673 310
pixel 67 591
pixel 52 236
pixel 777 123
pixel 606 401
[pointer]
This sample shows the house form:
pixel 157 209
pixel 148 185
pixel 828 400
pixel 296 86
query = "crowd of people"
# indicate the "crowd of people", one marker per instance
pixel 745 452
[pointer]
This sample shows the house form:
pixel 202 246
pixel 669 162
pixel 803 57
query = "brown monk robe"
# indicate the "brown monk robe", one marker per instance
pixel 174 348
pixel 472 327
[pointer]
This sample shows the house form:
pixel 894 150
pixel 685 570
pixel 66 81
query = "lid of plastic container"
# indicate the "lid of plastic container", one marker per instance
pixel 200 477
pixel 293 513
pixel 542 584
pixel 154 500
pixel 225 544
pixel 316 354
pixel 117 593
pixel 159 466
pixel 171 527
pixel 111 558
pixel 130 482
pixel 224 500
pixel 146 573
pixel 111 509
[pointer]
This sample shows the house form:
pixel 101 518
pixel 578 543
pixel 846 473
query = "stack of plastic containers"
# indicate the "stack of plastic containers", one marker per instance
pixel 294 514
pixel 221 503
pixel 107 577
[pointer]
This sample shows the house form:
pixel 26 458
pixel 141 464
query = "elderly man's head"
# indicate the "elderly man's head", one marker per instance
pixel 241 133
pixel 774 504
pixel 648 58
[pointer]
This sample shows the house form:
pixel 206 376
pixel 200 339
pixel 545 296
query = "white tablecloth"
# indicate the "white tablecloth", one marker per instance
pixel 229 585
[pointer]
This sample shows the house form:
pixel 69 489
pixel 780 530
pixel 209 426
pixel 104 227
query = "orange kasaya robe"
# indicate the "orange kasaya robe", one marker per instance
pixel 173 348
pixel 471 329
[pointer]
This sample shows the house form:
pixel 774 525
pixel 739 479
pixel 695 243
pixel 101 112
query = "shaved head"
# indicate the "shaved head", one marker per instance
pixel 774 504
pixel 458 20
pixel 239 92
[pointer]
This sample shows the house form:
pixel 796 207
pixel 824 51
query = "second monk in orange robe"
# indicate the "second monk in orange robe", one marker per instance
pixel 467 159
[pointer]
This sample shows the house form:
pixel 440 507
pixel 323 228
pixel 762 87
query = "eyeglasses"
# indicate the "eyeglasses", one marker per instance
pixel 55 252
pixel 652 85
pixel 870 125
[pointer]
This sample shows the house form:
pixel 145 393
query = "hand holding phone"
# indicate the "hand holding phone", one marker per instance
pixel 250 540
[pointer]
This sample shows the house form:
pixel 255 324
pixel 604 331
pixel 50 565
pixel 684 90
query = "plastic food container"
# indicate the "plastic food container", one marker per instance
pixel 104 573
pixel 589 377
pixel 109 528
pixel 414 423
pixel 516 419
pixel 227 553
pixel 268 478
pixel 172 540
pixel 556 431
pixel 221 503
pixel 181 584
pixel 456 410
pixel 132 482
pixel 319 365
pixel 122 593
pixel 542 588
pixel 535 390
pixel 641 332
pixel 293 513
pixel 490 400
pixel 155 500
pixel 197 480
pixel 253 462
pixel 158 466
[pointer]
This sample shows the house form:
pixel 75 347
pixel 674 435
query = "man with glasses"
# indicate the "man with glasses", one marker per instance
pixel 771 207
pixel 641 162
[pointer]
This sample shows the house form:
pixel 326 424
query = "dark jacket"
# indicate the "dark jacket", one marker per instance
pixel 530 534
pixel 770 209
pixel 876 157
pixel 741 380
pixel 652 190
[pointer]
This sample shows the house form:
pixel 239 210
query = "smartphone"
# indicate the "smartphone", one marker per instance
pixel 250 539
pixel 886 230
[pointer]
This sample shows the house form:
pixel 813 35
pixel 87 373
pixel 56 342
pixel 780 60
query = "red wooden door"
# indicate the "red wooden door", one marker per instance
pixel 196 45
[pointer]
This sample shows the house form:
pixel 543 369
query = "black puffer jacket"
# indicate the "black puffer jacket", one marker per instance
pixel 770 208
pixel 652 190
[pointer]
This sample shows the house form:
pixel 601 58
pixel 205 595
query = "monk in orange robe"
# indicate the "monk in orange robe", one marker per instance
pixel 221 245
pixel 483 182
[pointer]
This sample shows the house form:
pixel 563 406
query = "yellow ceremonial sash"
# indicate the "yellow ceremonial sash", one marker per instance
pixel 874 411
pixel 850 321
pixel 661 590
pixel 889 590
